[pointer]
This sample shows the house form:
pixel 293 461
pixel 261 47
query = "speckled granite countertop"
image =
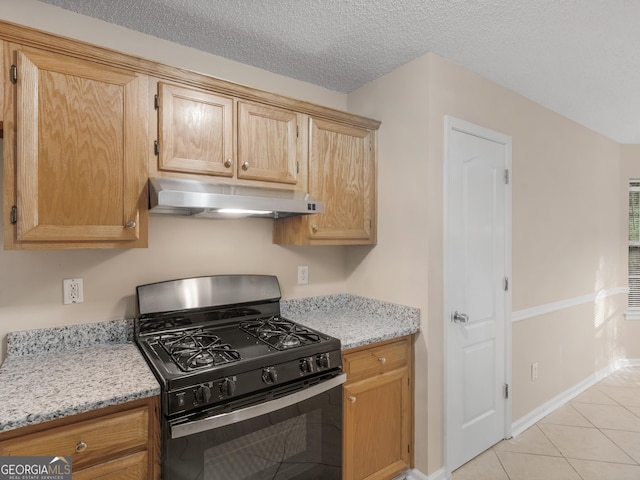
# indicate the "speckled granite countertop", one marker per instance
pixel 53 373
pixel 356 321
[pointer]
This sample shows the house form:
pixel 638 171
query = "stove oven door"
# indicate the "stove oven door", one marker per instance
pixel 294 437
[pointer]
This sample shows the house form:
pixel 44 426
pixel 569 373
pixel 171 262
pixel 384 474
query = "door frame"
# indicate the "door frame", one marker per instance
pixel 455 124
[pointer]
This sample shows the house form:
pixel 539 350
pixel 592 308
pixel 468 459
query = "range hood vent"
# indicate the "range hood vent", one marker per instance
pixel 174 196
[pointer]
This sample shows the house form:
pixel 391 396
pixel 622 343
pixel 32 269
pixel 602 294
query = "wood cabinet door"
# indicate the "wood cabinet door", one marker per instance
pixel 267 144
pixel 342 174
pixel 81 134
pixel 377 428
pixel 195 131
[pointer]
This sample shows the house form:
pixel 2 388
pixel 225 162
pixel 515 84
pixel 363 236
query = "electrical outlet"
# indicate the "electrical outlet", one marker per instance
pixel 72 291
pixel 534 371
pixel 303 275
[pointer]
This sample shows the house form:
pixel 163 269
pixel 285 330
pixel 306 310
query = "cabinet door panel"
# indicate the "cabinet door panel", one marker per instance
pixel 195 131
pixel 341 173
pixel 377 424
pixel 267 144
pixel 80 167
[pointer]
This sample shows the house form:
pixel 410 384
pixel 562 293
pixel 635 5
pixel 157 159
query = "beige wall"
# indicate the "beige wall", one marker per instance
pixel 31 282
pixel 568 227
pixel 568 233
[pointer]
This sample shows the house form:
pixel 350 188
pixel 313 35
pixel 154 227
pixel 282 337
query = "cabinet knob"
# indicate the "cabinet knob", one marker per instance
pixel 81 447
pixel 382 360
pixel 245 166
pixel 131 224
pixel 227 162
pixel 314 227
pixel 352 399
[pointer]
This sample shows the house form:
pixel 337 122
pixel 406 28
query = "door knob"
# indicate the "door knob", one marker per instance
pixel 458 317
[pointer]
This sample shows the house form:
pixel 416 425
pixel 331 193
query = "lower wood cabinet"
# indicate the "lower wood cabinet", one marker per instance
pixel 120 442
pixel 378 410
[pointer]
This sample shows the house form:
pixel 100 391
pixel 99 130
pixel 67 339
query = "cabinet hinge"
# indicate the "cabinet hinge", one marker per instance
pixel 13 74
pixel 506 390
pixel 156 101
pixel 297 167
pixel 409 449
pixel 506 176
pixel 506 284
pixel 156 148
pixel 14 215
pixel 370 146
pixel 297 131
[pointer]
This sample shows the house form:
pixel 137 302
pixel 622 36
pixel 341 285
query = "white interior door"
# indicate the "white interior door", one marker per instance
pixel 477 299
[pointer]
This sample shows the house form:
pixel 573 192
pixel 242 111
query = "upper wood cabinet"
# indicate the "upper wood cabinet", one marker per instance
pixel 204 133
pixel 195 131
pixel 267 143
pixel 74 153
pixel 2 80
pixel 342 175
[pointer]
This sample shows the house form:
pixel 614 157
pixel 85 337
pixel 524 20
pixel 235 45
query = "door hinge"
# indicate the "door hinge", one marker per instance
pixel 13 217
pixel 297 131
pixel 370 146
pixel 506 390
pixel 156 148
pixel 506 176
pixel 156 101
pixel 297 167
pixel 506 284
pixel 13 75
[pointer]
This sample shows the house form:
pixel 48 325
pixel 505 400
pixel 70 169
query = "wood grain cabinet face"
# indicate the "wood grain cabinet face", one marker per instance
pixel 267 143
pixel 378 412
pixel 342 174
pixel 80 131
pixel 123 443
pixel 195 131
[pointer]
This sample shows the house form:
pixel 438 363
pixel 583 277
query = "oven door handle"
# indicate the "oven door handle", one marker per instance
pixel 224 419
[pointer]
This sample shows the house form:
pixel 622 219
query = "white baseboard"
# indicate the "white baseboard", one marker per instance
pixel 415 474
pixel 545 409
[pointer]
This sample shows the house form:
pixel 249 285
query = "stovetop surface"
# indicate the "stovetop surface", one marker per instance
pixel 252 352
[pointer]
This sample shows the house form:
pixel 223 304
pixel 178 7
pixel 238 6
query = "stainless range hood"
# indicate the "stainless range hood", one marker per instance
pixel 174 196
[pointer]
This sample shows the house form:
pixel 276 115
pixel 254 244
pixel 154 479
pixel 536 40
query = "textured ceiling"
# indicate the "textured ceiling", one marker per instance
pixel 580 58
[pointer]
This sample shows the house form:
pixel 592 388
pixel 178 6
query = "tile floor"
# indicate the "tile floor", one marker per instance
pixel 596 436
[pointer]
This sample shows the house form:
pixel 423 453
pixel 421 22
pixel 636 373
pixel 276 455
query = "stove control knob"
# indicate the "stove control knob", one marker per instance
pixel 203 394
pixel 228 387
pixel 323 361
pixel 269 375
pixel 306 365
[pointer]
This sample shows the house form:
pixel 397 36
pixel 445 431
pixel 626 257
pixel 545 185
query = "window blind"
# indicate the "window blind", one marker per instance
pixel 634 245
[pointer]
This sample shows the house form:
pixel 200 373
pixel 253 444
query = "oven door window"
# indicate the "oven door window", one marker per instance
pixel 300 442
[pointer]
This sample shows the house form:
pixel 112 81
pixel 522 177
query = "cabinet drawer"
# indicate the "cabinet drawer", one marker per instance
pixel 89 441
pixel 131 467
pixel 377 359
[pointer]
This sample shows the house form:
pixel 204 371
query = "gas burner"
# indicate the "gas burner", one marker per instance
pixel 197 348
pixel 280 333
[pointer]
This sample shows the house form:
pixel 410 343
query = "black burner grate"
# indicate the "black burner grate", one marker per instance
pixel 280 333
pixel 197 348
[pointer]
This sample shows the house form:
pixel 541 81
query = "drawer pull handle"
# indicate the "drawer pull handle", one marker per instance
pixel 352 399
pixel 130 224
pixel 382 360
pixel 227 162
pixel 81 447
pixel 245 165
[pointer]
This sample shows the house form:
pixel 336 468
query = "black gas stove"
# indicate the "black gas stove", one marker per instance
pixel 246 394
pixel 205 351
